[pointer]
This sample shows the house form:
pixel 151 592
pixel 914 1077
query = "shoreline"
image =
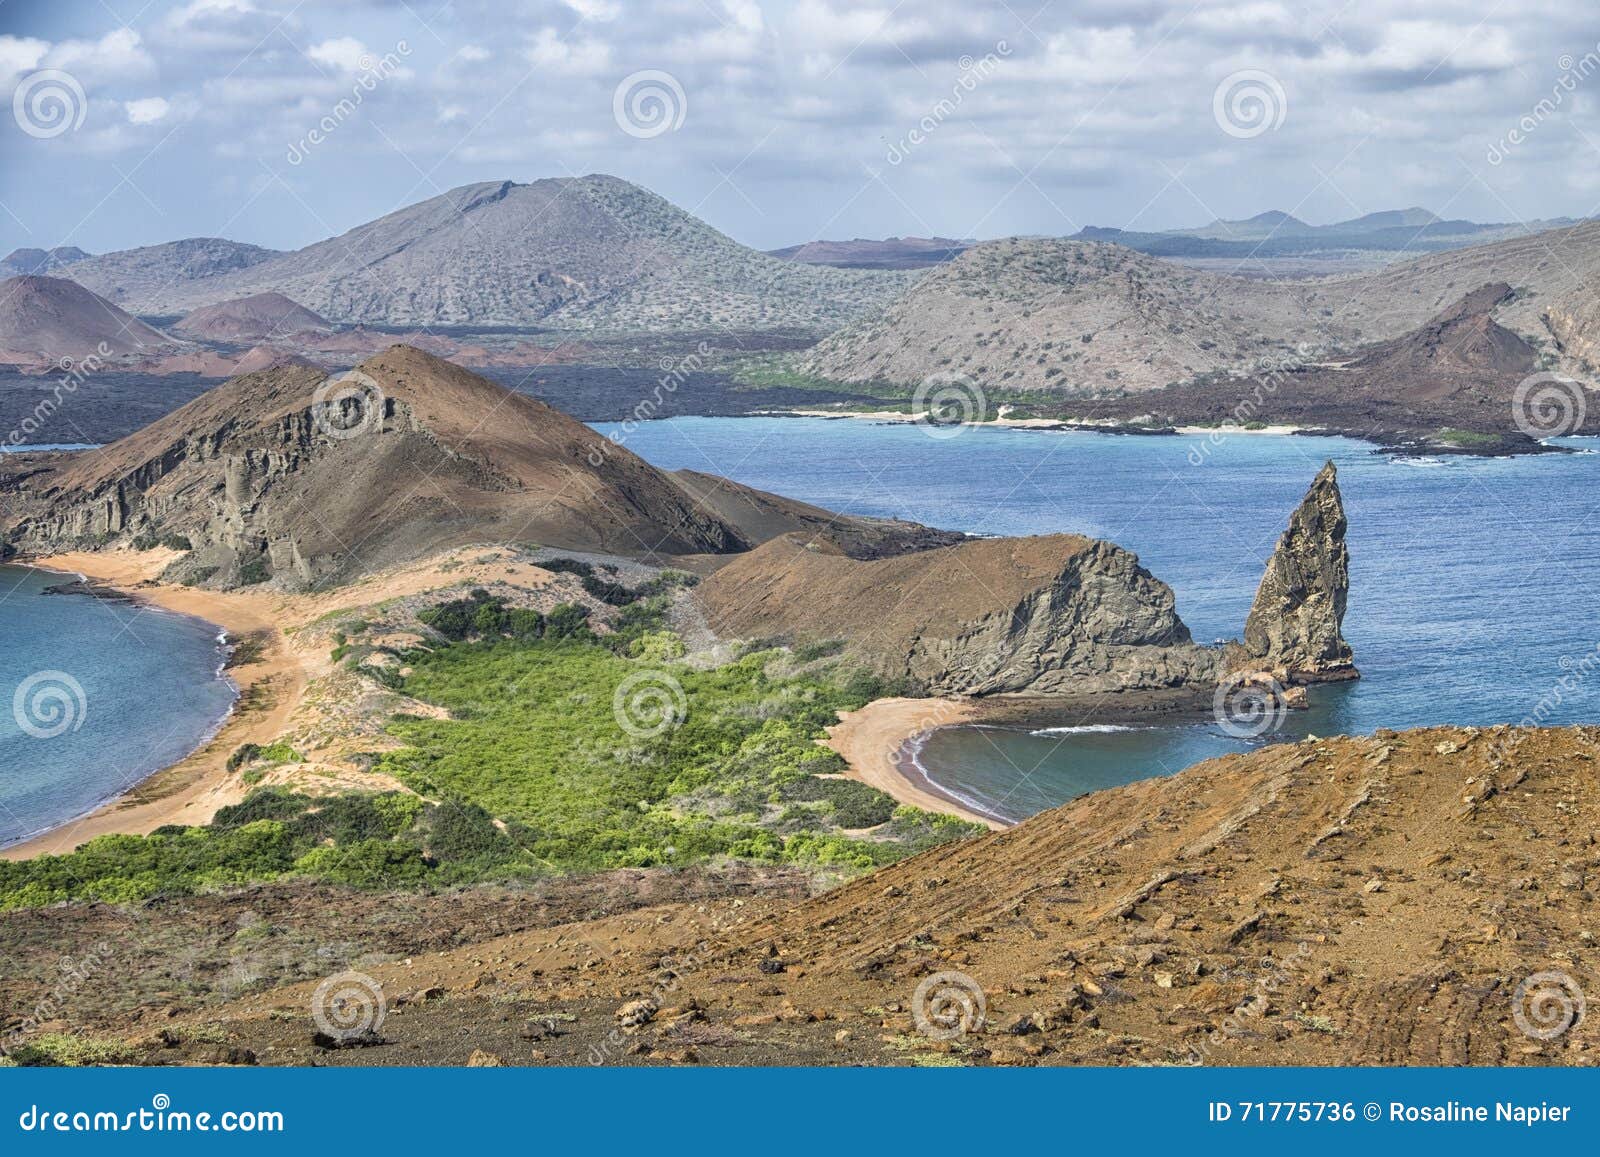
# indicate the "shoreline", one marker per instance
pixel 191 790
pixel 874 739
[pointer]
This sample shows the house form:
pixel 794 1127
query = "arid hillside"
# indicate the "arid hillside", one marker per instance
pixel 592 252
pixel 47 318
pixel 1092 319
pixel 1424 897
pixel 287 474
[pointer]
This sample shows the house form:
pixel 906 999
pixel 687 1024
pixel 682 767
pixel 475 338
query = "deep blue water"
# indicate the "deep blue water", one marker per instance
pixel 1472 580
pixel 94 696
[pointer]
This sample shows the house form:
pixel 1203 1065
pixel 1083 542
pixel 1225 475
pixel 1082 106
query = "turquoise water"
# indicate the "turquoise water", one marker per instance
pixel 1472 580
pixel 95 695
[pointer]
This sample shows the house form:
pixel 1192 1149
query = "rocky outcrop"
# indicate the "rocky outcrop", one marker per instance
pixel 285 475
pixel 1294 631
pixel 1057 615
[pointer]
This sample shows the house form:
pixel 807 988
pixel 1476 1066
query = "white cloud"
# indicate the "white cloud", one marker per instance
pixel 472 53
pixel 345 53
pixel 600 11
pixel 147 110
pixel 118 55
pixel 568 56
pixel 20 54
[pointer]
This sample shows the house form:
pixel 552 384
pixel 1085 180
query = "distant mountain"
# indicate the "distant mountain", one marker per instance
pixel 260 317
pixel 863 253
pixel 1277 234
pixel 144 279
pixel 580 253
pixel 1412 218
pixel 1087 319
pixel 1272 223
pixel 21 262
pixel 47 318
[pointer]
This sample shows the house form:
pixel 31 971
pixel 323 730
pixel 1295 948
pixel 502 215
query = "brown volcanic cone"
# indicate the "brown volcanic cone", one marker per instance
pixel 260 317
pixel 50 317
pixel 288 474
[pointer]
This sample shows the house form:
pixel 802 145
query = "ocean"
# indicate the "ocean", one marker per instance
pixel 95 695
pixel 1472 579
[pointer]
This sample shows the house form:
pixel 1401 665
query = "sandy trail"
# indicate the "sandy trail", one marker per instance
pixel 871 739
pixel 272 686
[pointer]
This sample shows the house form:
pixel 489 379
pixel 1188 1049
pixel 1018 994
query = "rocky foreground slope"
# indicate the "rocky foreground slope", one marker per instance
pixel 291 476
pixel 1416 898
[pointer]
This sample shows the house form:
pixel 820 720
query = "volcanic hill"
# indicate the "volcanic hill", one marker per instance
pixel 288 474
pixel 47 318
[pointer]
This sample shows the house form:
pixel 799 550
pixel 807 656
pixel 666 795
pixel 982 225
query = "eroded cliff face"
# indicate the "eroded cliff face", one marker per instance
pixel 1103 624
pixel 1057 615
pixel 1295 628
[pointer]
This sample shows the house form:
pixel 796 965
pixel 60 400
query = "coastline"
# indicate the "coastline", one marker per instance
pixel 1086 426
pixel 191 790
pixel 874 739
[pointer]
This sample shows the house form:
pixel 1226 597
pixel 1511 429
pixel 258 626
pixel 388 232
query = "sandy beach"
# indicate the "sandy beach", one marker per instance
pixel 191 791
pixel 871 740
pixel 272 685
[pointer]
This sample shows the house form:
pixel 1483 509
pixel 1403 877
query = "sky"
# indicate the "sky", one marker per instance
pixel 140 121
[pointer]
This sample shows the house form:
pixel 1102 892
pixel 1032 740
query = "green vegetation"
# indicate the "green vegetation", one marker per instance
pixel 718 762
pixel 566 750
pixel 1455 437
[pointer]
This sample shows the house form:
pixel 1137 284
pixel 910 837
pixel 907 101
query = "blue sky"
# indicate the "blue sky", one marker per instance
pixel 781 122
